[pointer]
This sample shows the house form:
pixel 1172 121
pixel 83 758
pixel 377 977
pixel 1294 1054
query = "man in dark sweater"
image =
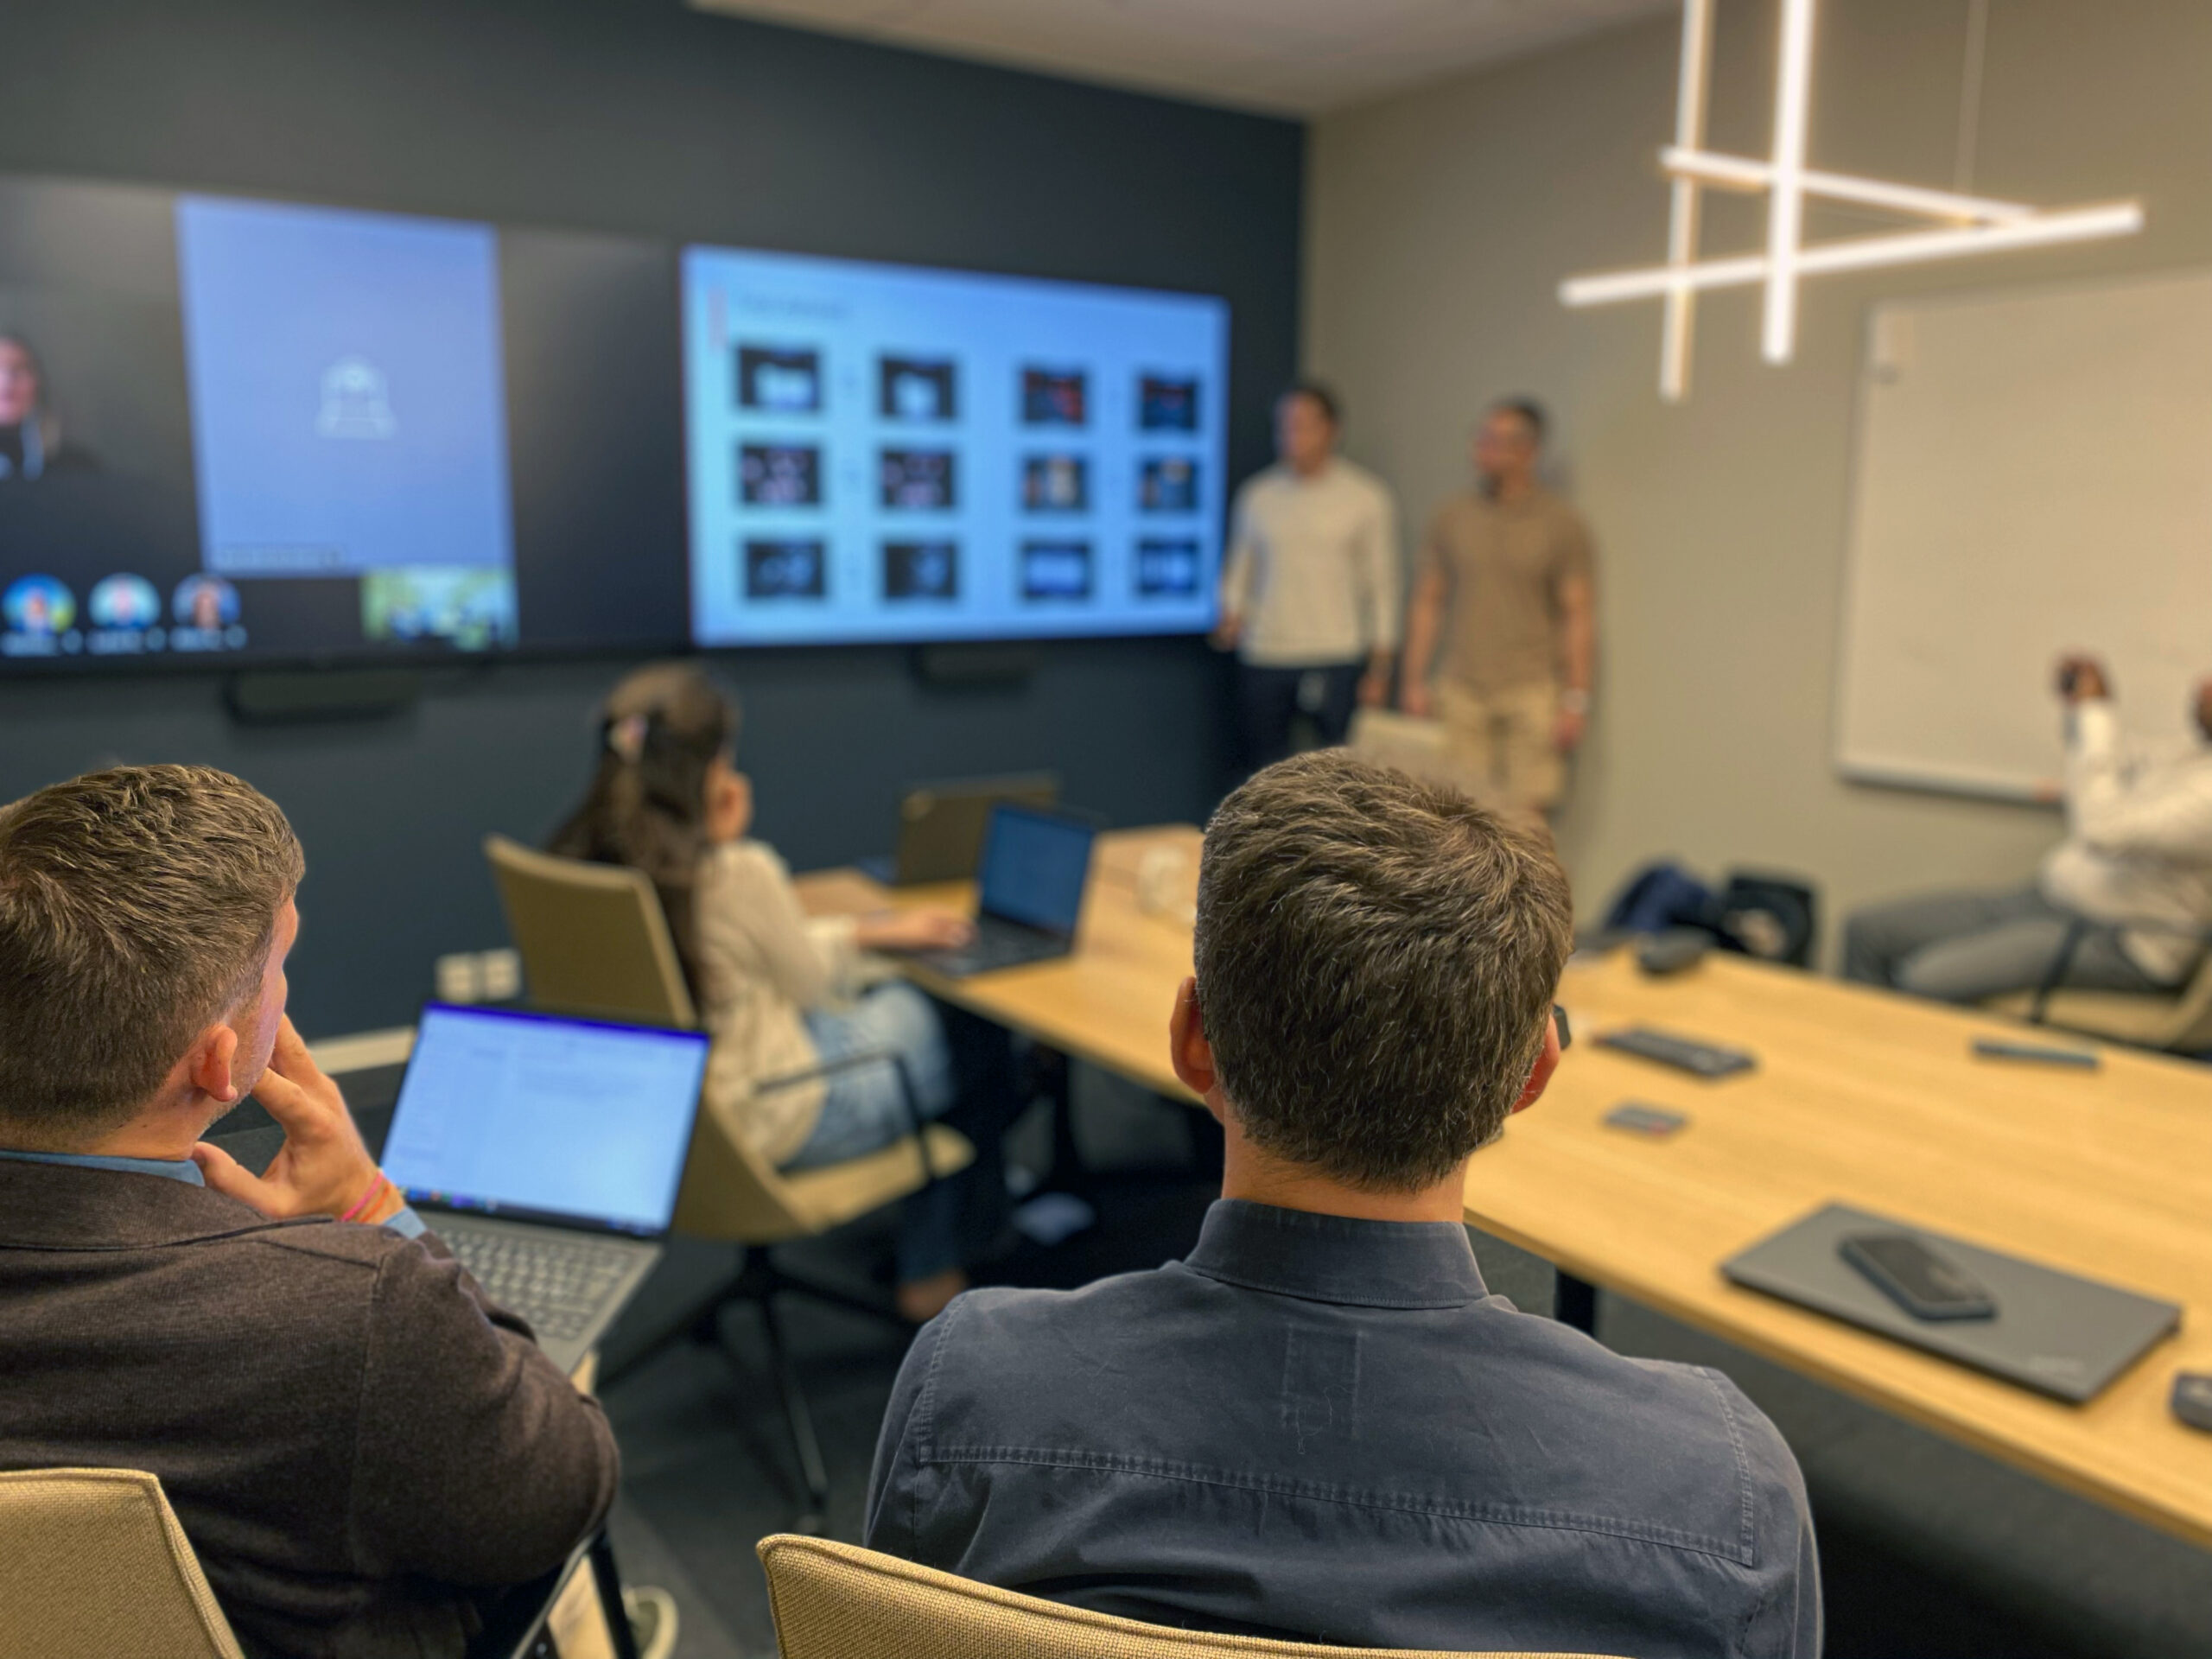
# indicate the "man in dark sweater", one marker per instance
pixel 1320 1425
pixel 359 1447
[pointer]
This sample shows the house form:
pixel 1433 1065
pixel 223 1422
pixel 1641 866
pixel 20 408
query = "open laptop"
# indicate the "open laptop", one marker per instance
pixel 941 826
pixel 1030 892
pixel 546 1151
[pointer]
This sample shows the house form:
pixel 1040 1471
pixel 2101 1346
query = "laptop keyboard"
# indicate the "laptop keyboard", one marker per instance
pixel 558 1284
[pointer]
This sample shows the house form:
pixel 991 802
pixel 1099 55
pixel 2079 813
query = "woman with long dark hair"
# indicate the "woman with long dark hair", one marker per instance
pixel 781 992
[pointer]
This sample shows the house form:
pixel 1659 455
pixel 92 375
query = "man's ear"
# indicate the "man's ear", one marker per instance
pixel 1541 1073
pixel 1188 1051
pixel 209 1064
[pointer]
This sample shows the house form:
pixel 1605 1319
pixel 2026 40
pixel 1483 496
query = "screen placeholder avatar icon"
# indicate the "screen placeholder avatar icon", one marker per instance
pixel 781 380
pixel 917 480
pixel 786 569
pixel 918 388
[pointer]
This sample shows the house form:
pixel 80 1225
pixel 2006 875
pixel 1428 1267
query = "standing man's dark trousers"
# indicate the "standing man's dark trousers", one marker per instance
pixel 1269 699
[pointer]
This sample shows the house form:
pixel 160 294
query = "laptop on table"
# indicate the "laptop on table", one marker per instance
pixel 1030 885
pixel 547 1152
pixel 941 826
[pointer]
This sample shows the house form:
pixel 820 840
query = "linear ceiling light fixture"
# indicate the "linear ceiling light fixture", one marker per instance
pixel 1970 225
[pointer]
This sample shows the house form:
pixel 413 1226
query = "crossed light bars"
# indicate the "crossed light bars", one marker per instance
pixel 1968 224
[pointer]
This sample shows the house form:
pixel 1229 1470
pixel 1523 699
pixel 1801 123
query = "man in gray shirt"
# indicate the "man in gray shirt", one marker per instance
pixel 1320 1426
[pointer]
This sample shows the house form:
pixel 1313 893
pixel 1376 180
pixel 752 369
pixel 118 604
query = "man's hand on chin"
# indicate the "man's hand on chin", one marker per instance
pixel 324 1169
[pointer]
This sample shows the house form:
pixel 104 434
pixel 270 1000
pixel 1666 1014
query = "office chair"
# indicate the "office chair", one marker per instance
pixel 2177 1022
pixel 94 1565
pixel 594 940
pixel 838 1601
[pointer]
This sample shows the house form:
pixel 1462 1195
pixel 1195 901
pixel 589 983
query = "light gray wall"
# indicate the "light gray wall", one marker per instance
pixel 1438 225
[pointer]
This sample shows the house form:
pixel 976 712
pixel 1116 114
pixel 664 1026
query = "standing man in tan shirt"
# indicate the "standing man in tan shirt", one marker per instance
pixel 1506 582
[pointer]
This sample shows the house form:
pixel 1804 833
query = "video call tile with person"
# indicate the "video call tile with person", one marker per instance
pixel 1167 404
pixel 1055 396
pixel 1167 484
pixel 921 570
pixel 786 568
pixel 1055 484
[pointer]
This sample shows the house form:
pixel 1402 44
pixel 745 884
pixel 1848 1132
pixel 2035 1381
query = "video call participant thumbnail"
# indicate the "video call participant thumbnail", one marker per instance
pixel 1321 1425
pixel 32 446
pixel 358 1444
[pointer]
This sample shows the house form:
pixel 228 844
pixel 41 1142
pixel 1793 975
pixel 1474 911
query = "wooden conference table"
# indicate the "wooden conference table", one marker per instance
pixel 1860 1097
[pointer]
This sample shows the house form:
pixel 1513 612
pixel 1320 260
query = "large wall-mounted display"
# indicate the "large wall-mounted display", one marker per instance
pixel 237 432
pixel 883 453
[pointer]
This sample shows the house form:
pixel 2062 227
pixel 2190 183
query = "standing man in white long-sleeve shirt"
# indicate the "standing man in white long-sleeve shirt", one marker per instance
pixel 1310 591
pixel 2136 864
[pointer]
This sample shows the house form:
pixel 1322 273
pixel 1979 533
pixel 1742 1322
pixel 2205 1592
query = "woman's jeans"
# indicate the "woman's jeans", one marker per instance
pixel 962 1072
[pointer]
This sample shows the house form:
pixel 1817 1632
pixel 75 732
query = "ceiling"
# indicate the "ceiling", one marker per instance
pixel 1289 57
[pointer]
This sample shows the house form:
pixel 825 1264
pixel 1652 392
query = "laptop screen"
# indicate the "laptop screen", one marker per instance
pixel 539 1118
pixel 1034 864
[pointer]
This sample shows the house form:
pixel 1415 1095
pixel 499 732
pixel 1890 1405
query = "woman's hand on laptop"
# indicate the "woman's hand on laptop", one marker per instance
pixel 324 1169
pixel 914 929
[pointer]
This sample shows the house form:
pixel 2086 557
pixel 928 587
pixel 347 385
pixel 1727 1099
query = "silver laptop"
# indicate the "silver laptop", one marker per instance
pixel 2052 1332
pixel 546 1151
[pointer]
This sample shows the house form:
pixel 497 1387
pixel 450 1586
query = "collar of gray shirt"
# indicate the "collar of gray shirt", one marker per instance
pixel 1338 1258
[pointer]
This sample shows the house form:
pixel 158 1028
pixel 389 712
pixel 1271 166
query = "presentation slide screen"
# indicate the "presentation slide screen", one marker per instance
pixel 883 453
pixel 235 431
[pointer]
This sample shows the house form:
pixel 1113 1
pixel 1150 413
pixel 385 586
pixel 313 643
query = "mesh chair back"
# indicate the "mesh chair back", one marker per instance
pixel 837 1601
pixel 94 1566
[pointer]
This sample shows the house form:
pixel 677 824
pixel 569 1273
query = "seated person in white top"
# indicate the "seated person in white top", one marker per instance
pixel 2136 865
pixel 783 993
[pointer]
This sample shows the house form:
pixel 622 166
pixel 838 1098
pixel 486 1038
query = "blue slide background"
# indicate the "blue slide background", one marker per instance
pixel 851 315
pixel 273 297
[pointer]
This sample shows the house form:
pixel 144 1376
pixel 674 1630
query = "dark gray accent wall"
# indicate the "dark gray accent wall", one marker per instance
pixel 642 118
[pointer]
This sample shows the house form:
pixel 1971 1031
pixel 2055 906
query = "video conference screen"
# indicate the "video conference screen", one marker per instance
pixel 882 453
pixel 235 431
pixel 238 431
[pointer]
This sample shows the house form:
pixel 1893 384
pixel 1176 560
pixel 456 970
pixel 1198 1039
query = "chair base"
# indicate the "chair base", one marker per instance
pixel 758 1284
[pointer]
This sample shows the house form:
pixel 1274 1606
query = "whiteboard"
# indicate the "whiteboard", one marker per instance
pixel 2034 475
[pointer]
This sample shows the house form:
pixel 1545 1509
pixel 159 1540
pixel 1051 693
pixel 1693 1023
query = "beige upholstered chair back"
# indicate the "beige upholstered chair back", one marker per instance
pixel 592 937
pixel 2178 1021
pixel 93 1565
pixel 594 940
pixel 838 1601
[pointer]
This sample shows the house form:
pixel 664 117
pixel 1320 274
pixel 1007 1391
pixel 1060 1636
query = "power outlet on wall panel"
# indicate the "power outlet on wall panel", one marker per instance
pixel 479 977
